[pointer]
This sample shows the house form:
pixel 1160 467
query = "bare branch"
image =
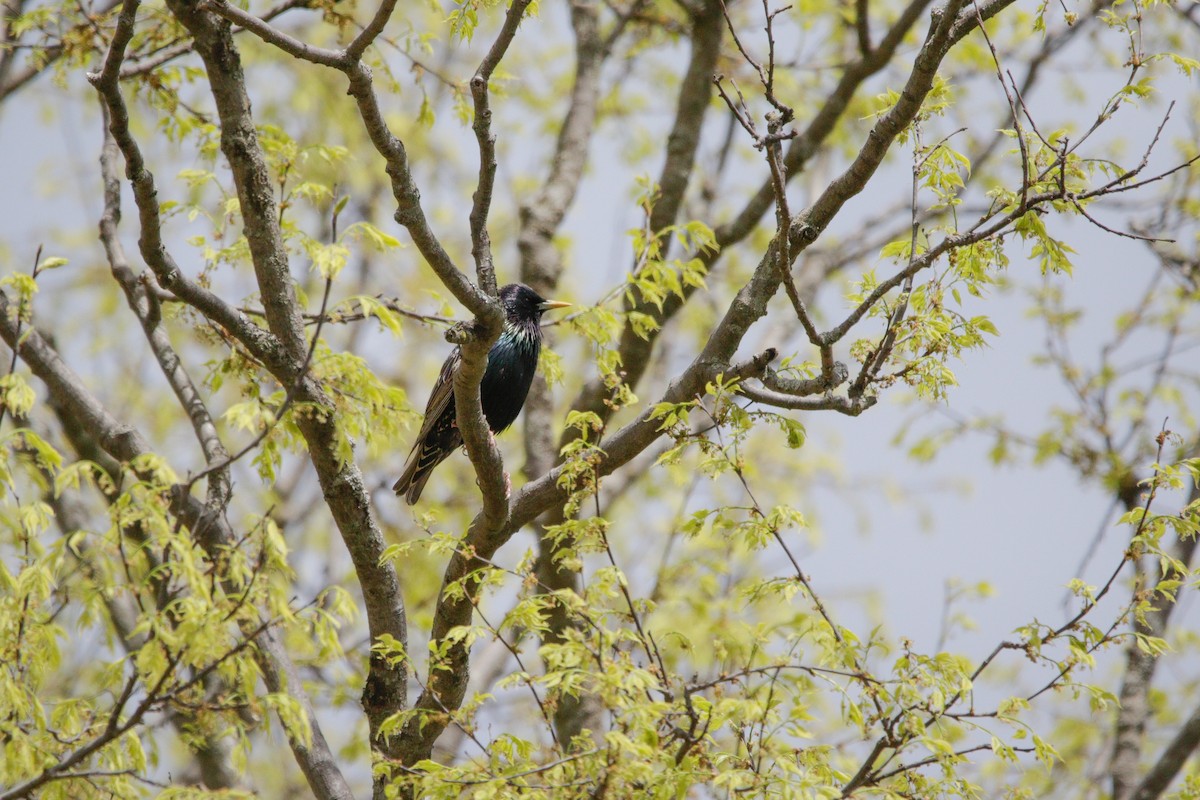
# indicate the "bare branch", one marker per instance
pixel 259 27
pixel 481 244
pixel 144 304
pixel 843 405
pixel 367 36
pixel 862 27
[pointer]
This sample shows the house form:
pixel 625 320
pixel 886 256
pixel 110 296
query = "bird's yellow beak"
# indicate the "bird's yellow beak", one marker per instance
pixel 549 304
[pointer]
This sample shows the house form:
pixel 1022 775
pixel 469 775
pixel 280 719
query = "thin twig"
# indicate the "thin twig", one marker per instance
pixel 22 312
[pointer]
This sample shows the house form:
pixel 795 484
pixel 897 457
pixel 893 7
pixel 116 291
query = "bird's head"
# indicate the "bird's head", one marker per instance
pixel 522 304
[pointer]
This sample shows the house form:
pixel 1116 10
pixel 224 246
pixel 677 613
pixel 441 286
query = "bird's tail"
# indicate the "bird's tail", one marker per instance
pixel 416 473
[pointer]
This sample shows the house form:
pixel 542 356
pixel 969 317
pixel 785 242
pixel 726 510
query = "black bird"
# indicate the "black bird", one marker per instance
pixel 506 380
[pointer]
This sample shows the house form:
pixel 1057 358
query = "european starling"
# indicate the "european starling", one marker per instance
pixel 506 380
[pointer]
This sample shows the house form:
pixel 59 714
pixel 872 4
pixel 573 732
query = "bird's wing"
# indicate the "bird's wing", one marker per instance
pixel 440 397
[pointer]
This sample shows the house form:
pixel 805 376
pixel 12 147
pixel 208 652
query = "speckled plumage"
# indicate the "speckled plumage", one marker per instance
pixel 512 362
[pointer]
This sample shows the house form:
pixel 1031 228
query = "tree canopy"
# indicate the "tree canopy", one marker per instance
pixel 767 217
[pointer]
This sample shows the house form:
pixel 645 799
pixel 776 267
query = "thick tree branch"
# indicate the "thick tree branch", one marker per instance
pixel 321 769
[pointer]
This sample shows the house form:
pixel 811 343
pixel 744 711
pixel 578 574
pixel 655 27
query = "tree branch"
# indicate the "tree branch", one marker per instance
pixel 1133 714
pixel 149 63
pixel 144 305
pixel 261 344
pixel 1168 765
pixel 636 348
pixel 284 353
pixel 683 142
pixel 125 443
pixel 862 27
pixel 481 243
pixel 843 405
pixel 542 216
pixel 404 188
pixel 11 83
pixel 446 688
pixel 541 268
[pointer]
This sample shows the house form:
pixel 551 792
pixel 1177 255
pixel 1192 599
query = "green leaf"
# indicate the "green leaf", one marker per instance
pixel 53 262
